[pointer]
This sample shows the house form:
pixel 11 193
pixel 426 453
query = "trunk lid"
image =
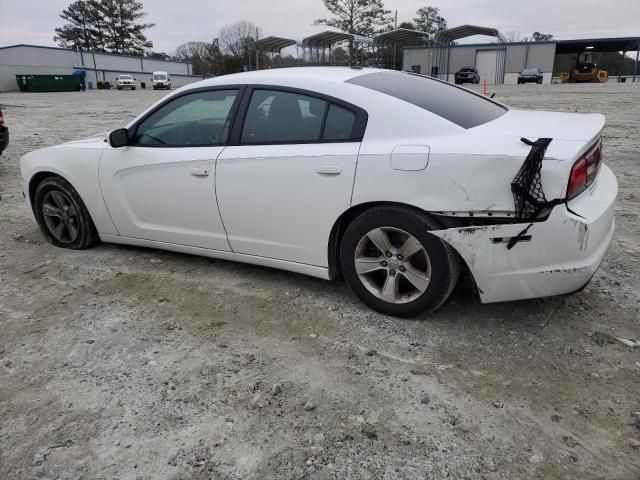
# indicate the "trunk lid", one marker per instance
pixel 534 124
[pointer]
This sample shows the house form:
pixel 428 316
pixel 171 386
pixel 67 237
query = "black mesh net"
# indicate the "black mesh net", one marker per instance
pixel 528 195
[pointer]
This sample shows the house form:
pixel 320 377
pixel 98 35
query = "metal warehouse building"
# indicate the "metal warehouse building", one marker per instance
pixel 501 62
pixel 100 67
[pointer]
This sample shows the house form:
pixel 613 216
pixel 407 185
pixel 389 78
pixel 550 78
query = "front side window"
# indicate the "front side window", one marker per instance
pixel 283 117
pixel 196 119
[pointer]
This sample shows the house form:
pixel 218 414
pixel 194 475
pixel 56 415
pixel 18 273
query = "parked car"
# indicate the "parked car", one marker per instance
pixel 161 80
pixel 530 75
pixel 4 133
pixel 467 75
pixel 260 167
pixel 125 81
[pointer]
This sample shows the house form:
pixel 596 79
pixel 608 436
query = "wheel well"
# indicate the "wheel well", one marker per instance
pixel 36 180
pixel 343 221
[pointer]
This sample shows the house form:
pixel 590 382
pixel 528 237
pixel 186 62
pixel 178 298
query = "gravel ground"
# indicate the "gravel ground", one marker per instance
pixel 128 363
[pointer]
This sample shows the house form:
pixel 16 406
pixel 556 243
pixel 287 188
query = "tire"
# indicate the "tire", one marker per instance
pixel 133 88
pixel 436 260
pixel 50 196
pixel 540 82
pixel 119 88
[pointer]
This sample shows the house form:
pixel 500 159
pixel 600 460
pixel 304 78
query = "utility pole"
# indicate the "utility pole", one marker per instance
pixel 257 53
pixel 395 45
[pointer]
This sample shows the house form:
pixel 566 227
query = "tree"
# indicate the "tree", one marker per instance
pixel 358 17
pixel 204 57
pixel 234 38
pixel 515 36
pixel 429 20
pixel 407 25
pixel 75 34
pixel 104 25
pixel 125 34
pixel 541 37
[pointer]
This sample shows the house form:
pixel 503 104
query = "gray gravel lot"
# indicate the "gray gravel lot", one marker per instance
pixel 128 363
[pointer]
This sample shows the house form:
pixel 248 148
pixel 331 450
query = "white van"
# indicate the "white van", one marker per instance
pixel 161 80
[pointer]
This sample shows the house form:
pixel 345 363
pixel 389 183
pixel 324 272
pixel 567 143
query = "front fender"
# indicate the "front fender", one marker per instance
pixel 79 167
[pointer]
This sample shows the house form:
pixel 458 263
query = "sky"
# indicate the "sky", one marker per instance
pixel 179 21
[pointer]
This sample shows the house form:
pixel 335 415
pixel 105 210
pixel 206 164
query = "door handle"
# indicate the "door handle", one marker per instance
pixel 329 169
pixel 199 172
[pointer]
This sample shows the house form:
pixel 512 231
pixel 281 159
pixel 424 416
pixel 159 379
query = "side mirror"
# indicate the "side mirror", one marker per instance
pixel 119 138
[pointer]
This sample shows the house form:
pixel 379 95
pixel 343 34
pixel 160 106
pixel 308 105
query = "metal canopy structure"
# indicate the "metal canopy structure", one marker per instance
pixel 322 41
pixel 444 39
pixel 326 39
pixel 401 36
pixel 463 31
pixel 626 44
pixel 271 44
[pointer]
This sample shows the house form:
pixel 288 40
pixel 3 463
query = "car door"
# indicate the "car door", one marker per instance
pixel 290 175
pixel 161 187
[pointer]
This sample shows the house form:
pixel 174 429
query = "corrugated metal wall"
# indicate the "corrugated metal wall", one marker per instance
pixel 518 57
pixel 26 59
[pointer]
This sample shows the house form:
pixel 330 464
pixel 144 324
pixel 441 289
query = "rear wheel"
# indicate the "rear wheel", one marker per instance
pixel 62 216
pixel 392 262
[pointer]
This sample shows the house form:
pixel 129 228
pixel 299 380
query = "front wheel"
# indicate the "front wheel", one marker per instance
pixel 392 262
pixel 62 215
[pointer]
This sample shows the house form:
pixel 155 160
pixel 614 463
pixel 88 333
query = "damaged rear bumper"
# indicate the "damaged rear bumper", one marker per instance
pixel 558 256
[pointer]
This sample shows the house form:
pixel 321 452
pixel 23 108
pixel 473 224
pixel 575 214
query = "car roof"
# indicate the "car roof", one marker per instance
pixel 298 74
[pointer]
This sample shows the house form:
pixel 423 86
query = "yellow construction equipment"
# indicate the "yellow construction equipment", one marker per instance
pixel 585 71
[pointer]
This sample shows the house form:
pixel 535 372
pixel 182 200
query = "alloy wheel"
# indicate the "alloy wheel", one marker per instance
pixel 60 216
pixel 392 264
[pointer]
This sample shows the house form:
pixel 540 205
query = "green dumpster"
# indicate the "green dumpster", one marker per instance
pixel 49 83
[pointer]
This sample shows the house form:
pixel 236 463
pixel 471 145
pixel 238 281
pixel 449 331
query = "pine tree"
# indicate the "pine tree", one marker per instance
pixel 429 20
pixel 75 34
pixel 358 17
pixel 105 25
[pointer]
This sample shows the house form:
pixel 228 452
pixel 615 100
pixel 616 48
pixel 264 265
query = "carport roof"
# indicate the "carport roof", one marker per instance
pixel 628 44
pixel 463 31
pixel 401 36
pixel 271 44
pixel 326 39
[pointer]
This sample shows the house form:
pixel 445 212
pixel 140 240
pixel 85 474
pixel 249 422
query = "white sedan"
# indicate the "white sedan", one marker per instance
pixel 397 181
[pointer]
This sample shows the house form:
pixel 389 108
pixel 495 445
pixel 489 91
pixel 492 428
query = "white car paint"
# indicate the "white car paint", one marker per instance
pixel 275 205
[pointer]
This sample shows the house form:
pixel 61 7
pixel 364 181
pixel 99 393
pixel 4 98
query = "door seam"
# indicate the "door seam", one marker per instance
pixel 215 191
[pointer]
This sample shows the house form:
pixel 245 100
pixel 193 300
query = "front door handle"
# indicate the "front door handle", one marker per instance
pixel 199 172
pixel 329 169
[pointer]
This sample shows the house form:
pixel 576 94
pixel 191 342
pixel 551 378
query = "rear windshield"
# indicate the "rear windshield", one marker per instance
pixel 458 105
pixel 466 69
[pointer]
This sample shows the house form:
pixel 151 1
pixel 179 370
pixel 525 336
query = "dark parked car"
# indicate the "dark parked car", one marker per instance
pixel 467 75
pixel 530 75
pixel 4 133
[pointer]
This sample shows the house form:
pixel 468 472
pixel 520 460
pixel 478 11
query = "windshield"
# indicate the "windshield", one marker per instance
pixel 530 71
pixel 159 76
pixel 458 105
pixel 126 77
pixel 466 70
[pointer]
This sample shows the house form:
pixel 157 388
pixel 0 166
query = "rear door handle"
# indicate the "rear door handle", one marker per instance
pixel 199 172
pixel 329 169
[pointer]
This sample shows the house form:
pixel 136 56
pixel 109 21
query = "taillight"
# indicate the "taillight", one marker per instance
pixel 584 171
pixel 1 117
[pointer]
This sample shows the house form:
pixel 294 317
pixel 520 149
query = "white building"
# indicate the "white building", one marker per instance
pixel 100 67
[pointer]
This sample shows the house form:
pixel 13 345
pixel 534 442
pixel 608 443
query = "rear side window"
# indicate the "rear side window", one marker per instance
pixel 283 117
pixel 458 105
pixel 339 124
